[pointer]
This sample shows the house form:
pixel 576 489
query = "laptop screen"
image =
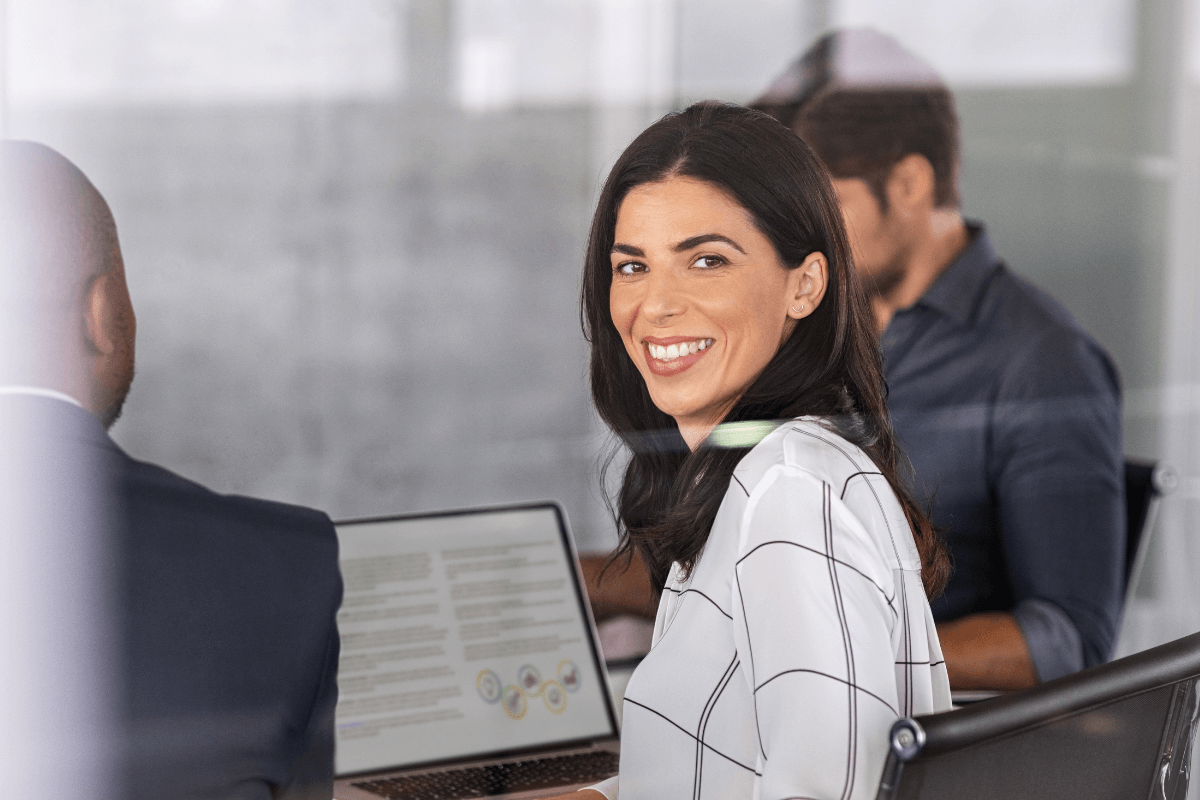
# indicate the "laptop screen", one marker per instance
pixel 463 634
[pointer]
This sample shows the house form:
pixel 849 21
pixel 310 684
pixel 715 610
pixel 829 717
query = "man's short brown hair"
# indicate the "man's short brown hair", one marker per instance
pixel 863 102
pixel 863 133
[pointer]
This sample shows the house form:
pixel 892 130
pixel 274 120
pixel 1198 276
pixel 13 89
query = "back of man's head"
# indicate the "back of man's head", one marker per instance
pixel 862 102
pixel 67 322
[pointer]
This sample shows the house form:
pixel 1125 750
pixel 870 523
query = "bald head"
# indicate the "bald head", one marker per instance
pixel 68 323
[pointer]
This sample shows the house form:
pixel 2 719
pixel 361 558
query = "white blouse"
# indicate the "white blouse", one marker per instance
pixel 802 634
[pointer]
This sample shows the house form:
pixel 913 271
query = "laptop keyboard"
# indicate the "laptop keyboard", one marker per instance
pixel 517 776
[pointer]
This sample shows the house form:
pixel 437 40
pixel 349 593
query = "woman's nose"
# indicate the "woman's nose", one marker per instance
pixel 664 298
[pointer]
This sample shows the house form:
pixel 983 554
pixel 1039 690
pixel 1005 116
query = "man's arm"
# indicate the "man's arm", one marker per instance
pixel 1059 482
pixel 624 588
pixel 986 651
pixel 312 775
pixel 313 771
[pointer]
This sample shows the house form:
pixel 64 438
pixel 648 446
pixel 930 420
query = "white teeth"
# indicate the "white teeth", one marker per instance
pixel 674 351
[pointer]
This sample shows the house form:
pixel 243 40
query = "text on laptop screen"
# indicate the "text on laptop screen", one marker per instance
pixel 461 634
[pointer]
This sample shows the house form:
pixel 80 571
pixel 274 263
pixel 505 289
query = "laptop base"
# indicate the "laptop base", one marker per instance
pixel 346 789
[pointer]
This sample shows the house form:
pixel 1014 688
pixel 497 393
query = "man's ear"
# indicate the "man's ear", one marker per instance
pixel 911 185
pixel 806 285
pixel 100 327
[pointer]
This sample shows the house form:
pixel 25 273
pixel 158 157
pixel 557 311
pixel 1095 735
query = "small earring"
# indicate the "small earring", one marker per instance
pixel 799 310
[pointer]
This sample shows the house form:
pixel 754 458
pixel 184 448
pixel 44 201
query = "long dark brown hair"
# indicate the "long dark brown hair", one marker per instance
pixel 830 366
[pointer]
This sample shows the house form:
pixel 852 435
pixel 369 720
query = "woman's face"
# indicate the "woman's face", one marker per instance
pixel 700 298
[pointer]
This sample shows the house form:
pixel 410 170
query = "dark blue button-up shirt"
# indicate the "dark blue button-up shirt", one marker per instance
pixel 1011 416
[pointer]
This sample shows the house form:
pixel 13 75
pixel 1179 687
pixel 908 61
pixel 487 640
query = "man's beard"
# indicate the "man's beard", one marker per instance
pixel 112 402
pixel 111 413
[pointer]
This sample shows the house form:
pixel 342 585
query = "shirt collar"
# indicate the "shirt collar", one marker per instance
pixel 37 391
pixel 957 290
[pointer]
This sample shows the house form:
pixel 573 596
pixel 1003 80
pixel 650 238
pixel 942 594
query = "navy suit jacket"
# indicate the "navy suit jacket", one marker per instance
pixel 227 642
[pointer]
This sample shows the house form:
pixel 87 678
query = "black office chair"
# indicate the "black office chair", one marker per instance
pixel 1121 731
pixel 1145 482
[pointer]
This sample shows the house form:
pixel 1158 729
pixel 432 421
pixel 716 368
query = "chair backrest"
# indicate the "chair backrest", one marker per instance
pixel 1141 493
pixel 1123 730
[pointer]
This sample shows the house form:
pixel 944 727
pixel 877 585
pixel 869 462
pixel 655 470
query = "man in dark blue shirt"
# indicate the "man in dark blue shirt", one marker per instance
pixel 1008 410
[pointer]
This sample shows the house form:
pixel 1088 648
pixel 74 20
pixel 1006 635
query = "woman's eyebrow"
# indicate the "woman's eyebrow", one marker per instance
pixel 695 241
pixel 629 250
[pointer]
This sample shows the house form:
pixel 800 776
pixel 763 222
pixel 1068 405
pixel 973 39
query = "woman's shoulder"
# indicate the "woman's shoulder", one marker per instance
pixel 802 460
pixel 807 444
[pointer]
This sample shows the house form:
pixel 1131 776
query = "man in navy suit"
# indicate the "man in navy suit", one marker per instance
pixel 224 635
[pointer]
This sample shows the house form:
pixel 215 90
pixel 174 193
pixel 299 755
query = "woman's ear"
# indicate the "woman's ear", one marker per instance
pixel 806 286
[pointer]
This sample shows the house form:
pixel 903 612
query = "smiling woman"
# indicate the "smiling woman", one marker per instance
pixel 733 354
pixel 701 314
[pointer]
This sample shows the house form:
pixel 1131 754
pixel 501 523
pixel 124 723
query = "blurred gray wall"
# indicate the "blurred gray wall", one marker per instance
pixel 367 306
pixel 360 307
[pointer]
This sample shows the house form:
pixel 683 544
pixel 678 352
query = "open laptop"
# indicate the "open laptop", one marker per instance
pixel 469 663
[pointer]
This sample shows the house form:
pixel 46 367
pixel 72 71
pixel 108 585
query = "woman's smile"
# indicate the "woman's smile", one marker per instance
pixel 672 355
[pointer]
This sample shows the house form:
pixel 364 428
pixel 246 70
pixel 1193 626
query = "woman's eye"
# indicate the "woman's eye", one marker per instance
pixel 630 268
pixel 708 262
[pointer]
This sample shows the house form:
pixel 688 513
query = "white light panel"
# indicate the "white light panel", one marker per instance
pixel 203 51
pixel 1008 42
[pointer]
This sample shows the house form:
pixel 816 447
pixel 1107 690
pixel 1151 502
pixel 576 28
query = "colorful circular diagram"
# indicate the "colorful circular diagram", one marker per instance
pixel 568 675
pixel 489 686
pixel 514 702
pixel 554 696
pixel 528 678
